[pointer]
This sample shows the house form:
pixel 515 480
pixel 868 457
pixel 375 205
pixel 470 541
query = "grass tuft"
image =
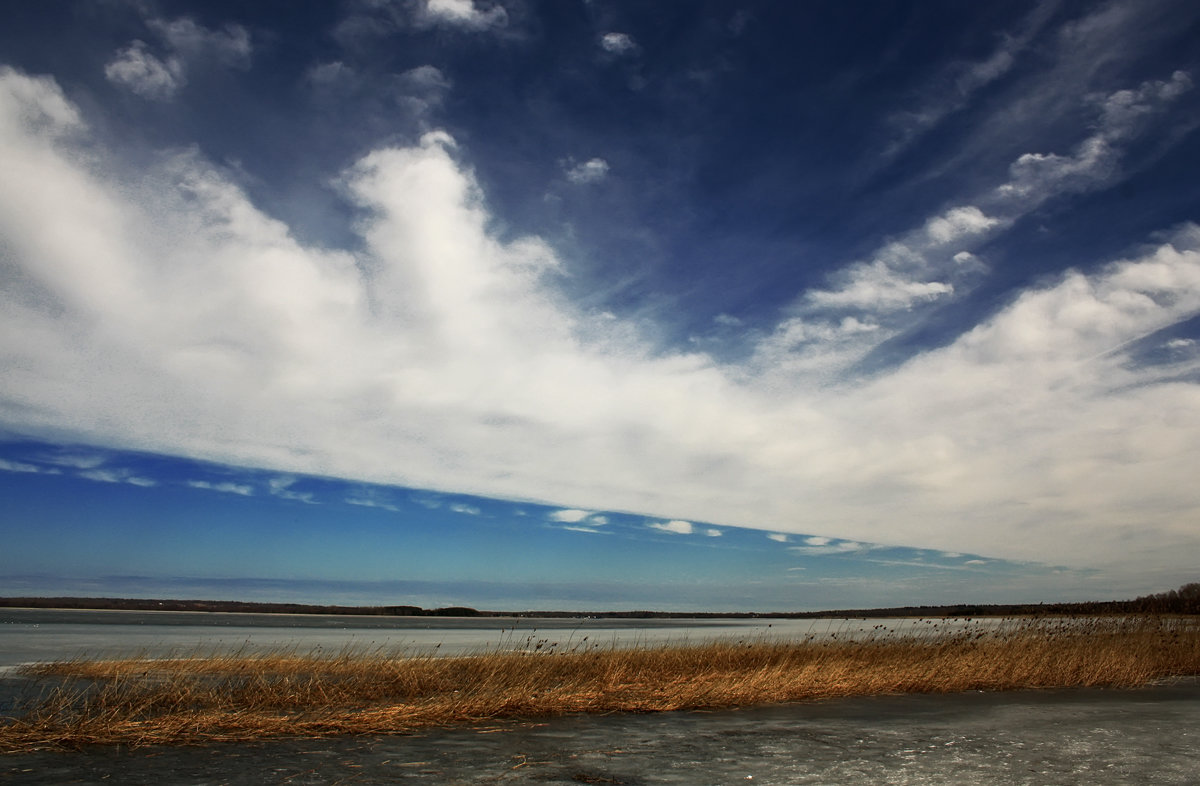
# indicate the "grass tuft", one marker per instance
pixel 242 697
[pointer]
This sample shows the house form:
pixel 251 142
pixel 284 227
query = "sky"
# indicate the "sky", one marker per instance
pixel 585 305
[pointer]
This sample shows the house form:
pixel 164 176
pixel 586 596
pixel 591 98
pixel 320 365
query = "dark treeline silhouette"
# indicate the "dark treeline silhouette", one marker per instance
pixel 1185 600
pixel 230 606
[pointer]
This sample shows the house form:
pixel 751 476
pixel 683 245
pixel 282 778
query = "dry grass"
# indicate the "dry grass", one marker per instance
pixel 244 697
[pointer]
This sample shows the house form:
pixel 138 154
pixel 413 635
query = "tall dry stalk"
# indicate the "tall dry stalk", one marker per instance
pixel 250 696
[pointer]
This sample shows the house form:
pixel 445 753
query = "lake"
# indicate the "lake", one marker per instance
pixel 1149 735
pixel 32 635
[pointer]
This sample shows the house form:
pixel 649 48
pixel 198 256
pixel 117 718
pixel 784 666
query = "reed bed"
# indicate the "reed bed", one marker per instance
pixel 240 697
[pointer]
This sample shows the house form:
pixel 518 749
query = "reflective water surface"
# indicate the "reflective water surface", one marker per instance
pixel 1057 737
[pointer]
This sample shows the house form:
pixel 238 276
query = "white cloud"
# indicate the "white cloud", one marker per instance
pixel 426 79
pixel 591 171
pixel 142 72
pixel 877 287
pixel 187 44
pixel 1180 343
pixel 713 532
pixel 959 223
pixel 618 43
pixel 281 487
pixel 465 14
pixel 227 487
pixel 418 90
pixel 334 76
pixel 675 527
pixel 571 516
pixel 815 548
pixel 371 502
pixel 21 466
pixel 76 460
pixel 466 510
pixel 778 537
pixel 581 520
pixel 176 317
pixel 229 47
pixel 953 88
pixel 919 267
pixel 117 476
pixel 934 263
pixel 1035 177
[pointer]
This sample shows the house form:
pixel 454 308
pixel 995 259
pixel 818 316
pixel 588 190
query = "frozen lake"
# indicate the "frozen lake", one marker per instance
pixel 1051 737
pixel 1149 735
pixel 30 635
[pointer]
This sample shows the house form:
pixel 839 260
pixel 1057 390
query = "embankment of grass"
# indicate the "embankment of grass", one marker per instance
pixel 241 697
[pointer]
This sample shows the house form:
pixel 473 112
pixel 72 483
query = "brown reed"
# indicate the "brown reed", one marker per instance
pixel 239 697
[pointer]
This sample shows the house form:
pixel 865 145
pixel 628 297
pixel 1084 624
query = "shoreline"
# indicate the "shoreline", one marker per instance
pixel 1187 606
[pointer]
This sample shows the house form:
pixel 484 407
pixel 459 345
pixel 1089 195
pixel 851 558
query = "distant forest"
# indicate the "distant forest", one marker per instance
pixel 1185 600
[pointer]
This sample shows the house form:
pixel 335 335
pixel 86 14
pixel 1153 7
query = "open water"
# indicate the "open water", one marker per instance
pixel 1145 736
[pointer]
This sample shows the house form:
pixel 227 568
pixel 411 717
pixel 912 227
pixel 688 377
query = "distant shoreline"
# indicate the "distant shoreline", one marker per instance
pixel 1185 600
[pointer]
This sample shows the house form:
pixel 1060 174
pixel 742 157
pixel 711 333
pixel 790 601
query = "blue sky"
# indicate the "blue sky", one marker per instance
pixel 583 304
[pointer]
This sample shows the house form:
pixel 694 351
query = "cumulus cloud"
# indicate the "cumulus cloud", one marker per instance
pixel 464 509
pixel 176 317
pixel 675 527
pixel 591 171
pixel 778 537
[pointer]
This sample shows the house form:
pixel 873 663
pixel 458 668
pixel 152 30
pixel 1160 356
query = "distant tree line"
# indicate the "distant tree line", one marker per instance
pixel 229 606
pixel 1185 600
